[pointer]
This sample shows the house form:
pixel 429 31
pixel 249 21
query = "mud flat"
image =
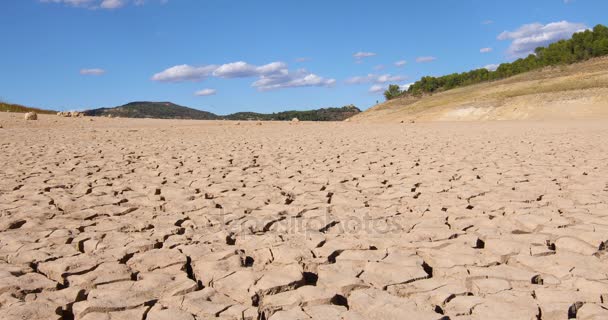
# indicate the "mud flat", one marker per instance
pixel 162 219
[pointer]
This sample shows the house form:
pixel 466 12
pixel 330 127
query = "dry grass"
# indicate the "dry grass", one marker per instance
pixel 8 107
pixel 552 83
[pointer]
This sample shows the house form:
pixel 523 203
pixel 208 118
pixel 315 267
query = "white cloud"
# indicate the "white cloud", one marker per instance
pixel 425 59
pixel 491 67
pixel 530 36
pixel 273 67
pixel 485 50
pixel 92 72
pixel 242 69
pixel 74 3
pixel 111 4
pixel 299 78
pixel 377 88
pixel 101 4
pixel 361 55
pixel 389 78
pixel 400 63
pixel 406 86
pixel 380 88
pixel 375 78
pixel 486 22
pixel 379 67
pixel 205 92
pixel 184 72
pixel 275 75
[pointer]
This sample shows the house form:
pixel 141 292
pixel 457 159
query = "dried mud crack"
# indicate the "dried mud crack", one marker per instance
pixel 162 219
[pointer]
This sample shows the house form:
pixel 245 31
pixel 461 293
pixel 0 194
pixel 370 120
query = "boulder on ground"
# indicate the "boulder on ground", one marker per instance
pixel 71 114
pixel 295 120
pixel 31 116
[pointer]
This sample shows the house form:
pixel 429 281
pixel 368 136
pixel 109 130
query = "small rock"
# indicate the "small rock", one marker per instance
pixel 31 116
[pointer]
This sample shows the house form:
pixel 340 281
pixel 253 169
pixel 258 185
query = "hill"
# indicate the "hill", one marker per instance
pixel 8 107
pixel 577 90
pixel 325 114
pixel 168 110
pixel 581 47
pixel 157 110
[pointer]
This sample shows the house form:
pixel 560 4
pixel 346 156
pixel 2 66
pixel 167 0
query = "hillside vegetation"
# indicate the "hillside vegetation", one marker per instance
pixel 325 114
pixel 157 110
pixel 168 110
pixel 9 107
pixel 581 47
pixel 578 90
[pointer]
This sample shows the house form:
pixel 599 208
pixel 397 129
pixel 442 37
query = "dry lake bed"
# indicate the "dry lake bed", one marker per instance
pixel 175 219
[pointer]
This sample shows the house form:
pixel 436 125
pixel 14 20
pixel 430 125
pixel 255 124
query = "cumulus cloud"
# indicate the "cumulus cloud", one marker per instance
pixel 375 78
pixel 530 36
pixel 205 92
pixel 377 88
pixel 425 59
pixel 361 55
pixel 242 69
pixel 239 69
pixel 184 72
pixel 101 4
pixel 275 75
pixel 92 72
pixel 111 4
pixel 400 63
pixel 380 88
pixel 74 3
pixel 491 67
pixel 485 50
pixel 287 79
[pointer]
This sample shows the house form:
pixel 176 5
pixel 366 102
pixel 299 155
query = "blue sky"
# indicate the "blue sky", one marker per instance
pixel 225 56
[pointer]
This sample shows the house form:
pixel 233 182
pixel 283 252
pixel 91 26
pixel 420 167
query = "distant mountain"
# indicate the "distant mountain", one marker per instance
pixel 157 110
pixel 168 110
pixel 8 107
pixel 327 114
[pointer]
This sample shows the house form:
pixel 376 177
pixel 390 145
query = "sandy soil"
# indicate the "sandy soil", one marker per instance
pixel 159 219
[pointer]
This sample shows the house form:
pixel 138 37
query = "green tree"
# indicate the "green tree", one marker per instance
pixel 393 92
pixel 582 46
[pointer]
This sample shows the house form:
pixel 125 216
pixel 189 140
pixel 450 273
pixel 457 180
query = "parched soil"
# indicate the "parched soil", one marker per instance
pixel 162 219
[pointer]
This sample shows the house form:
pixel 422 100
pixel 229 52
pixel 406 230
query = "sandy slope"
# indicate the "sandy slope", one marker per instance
pixel 577 91
pixel 162 219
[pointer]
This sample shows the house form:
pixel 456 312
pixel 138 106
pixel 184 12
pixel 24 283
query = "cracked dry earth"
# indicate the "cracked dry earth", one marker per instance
pixel 162 219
